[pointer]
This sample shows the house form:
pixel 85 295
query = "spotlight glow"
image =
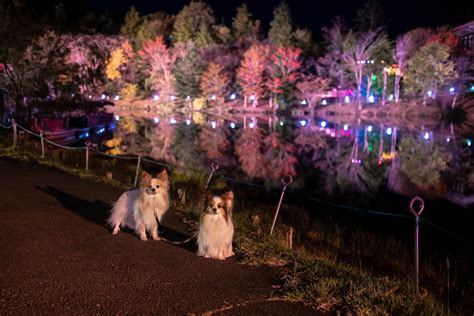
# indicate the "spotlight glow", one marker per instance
pixel 252 97
pixel 303 123
pixel 303 102
pixel 213 124
pixel 451 90
pixel 323 124
pixel 156 97
pixel 117 118
pixel 213 97
pixel 281 123
pixel 369 128
pixel 469 142
pixel 156 120
pixel 430 93
pixel 172 121
pixel 371 99
pixel 347 99
pixel 232 125
pixel 188 122
pixel 233 96
pixel 390 97
pixel 324 102
pixel 426 135
pixel 172 97
pixel 252 125
pixel 346 127
pixel 103 96
pixel 117 98
pixel 389 131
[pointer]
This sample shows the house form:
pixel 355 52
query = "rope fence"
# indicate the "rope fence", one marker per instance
pixel 286 181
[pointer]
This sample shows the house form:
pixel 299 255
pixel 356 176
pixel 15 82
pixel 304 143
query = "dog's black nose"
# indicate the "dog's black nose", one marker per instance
pixel 153 190
pixel 214 209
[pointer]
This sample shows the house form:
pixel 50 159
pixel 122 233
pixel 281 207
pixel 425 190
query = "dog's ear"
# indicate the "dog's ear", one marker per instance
pixel 228 198
pixel 145 176
pixel 163 175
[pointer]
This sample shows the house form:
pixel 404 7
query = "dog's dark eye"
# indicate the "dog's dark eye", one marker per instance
pixel 150 186
pixel 219 205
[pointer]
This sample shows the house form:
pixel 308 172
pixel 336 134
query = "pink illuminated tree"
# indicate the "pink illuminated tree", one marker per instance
pixel 249 150
pixel 250 75
pixel 158 62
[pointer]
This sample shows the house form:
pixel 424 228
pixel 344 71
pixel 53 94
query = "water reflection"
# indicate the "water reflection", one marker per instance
pixel 322 155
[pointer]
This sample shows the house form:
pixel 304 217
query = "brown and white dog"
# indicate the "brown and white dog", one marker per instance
pixel 216 228
pixel 139 209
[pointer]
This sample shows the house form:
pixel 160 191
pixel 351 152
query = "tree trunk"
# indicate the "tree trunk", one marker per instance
pixel 384 91
pixel 369 86
pixel 245 101
pixel 397 88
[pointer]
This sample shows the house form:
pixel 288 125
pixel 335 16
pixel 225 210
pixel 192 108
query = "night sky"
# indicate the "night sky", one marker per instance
pixel 401 15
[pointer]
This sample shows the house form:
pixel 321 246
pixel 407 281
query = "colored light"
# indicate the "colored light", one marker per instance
pixel 213 124
pixel 281 123
pixel 324 102
pixel 389 131
pixel 303 123
pixel 252 97
pixel 303 102
pixel 156 97
pixel 371 99
pixel 213 97
pixel 232 125
pixel 103 96
pixel 172 97
pixel 233 96
pixel 448 139
pixel 426 135
pixel 346 127
pixel 347 99
pixel 451 89
pixel 90 97
pixel 188 122
pixel 468 142
pixel 472 88
pixel 323 124
pixel 117 98
pixel 117 118
pixel 390 97
pixel 369 128
pixel 172 121
pixel 156 120
pixel 252 125
pixel 430 93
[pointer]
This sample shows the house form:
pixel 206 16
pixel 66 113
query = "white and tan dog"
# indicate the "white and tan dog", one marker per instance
pixel 139 209
pixel 216 228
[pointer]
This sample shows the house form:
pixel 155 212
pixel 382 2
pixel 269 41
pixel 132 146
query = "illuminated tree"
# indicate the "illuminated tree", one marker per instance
pixel 429 69
pixel 214 82
pixel 250 75
pixel 160 139
pixel 243 27
pixel 153 26
pixel 158 62
pixel 311 88
pixel 194 24
pixel 131 23
pixel 370 16
pixel 357 49
pixel 188 71
pixel 281 26
pixel 331 65
pixel 283 72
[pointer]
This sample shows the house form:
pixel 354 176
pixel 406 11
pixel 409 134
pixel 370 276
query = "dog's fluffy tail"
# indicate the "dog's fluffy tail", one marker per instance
pixel 122 210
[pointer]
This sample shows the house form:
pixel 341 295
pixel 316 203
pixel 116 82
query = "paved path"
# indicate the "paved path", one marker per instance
pixel 57 257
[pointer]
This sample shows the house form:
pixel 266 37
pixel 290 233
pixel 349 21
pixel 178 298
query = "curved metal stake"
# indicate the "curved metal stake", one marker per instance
pixel 15 133
pixel 285 184
pixel 214 167
pixel 417 240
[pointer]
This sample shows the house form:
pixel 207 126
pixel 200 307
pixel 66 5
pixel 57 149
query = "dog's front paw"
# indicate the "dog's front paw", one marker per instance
pixel 143 237
pixel 155 237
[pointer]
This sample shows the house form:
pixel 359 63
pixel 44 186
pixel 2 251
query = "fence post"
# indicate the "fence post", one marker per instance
pixel 285 183
pixel 15 134
pixel 136 172
pixel 88 144
pixel 42 144
pixel 214 167
pixel 417 240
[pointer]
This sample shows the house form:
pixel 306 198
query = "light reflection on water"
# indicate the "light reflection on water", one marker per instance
pixel 326 155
